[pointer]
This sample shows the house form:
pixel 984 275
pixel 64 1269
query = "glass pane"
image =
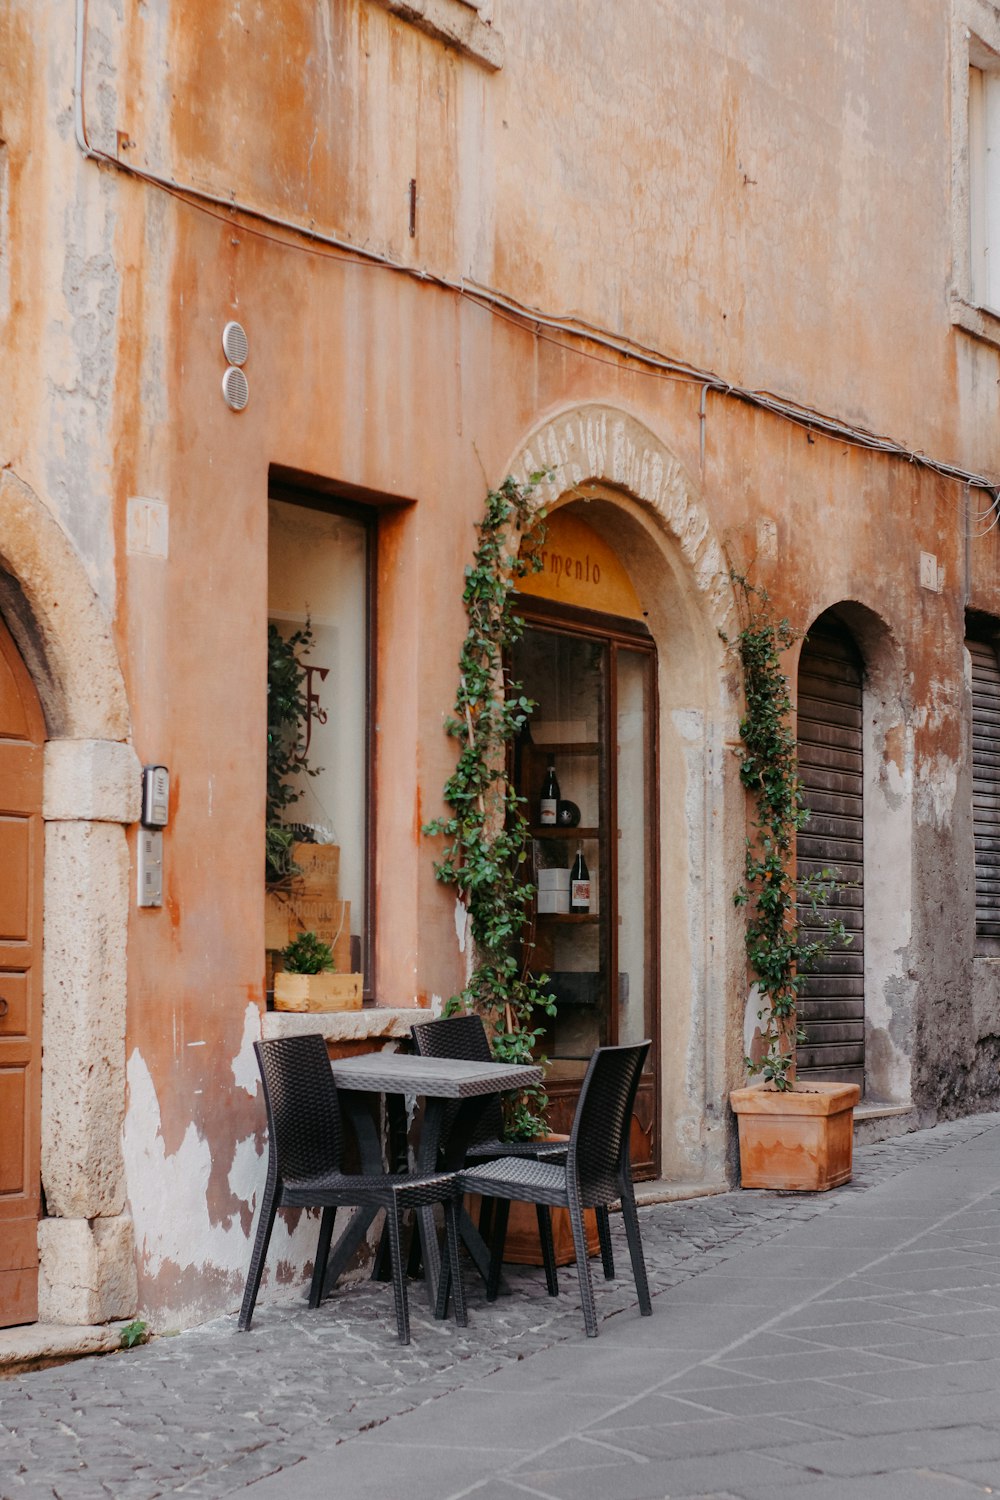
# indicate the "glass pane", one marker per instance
pixel 318 572
pixel 635 850
pixel 563 754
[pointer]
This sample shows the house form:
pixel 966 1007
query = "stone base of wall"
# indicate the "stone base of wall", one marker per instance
pixel 86 1270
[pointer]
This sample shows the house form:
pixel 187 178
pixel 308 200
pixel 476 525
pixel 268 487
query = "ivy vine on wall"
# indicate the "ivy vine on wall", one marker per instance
pixel 487 832
pixel 771 892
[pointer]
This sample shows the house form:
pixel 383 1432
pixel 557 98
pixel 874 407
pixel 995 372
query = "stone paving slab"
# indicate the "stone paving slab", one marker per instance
pixel 311 1402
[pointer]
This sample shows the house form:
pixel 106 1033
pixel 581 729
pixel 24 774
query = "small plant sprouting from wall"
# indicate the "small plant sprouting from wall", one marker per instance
pixel 487 832
pixel 135 1333
pixel 770 891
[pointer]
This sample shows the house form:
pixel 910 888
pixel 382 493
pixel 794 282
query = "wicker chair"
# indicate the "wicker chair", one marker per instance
pixel 465 1037
pixel 596 1172
pixel 305 1149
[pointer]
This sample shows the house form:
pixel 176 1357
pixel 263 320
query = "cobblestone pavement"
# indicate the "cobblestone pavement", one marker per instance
pixel 207 1412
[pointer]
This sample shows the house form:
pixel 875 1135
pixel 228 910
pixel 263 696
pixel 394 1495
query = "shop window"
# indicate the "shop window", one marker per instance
pixel 985 675
pixel 320 581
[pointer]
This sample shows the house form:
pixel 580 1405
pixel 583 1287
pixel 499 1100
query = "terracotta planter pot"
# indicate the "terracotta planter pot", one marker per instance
pixel 317 992
pixel 799 1141
pixel 522 1247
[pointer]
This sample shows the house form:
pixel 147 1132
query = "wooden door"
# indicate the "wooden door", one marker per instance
pixel 22 733
pixel 832 1003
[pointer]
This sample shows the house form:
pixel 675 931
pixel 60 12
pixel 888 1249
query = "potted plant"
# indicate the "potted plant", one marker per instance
pixel 309 982
pixel 792 1136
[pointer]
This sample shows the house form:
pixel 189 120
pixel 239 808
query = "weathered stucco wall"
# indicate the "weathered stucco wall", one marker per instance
pixel 710 181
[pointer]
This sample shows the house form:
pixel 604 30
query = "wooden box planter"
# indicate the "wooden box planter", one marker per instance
pixel 798 1141
pixel 317 992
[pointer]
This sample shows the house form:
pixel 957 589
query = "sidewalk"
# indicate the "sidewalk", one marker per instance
pixel 835 1346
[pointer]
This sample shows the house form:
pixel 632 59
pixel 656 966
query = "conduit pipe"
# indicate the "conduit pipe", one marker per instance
pixel 499 303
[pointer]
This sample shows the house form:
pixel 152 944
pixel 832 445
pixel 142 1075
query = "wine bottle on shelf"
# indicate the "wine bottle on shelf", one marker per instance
pixel 548 803
pixel 579 886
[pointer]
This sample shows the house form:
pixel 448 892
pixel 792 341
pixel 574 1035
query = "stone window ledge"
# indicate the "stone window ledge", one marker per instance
pixel 370 1024
pixel 978 321
pixel 454 22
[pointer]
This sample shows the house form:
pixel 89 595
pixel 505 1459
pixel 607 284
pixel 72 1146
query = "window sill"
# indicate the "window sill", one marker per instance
pixel 978 321
pixel 452 22
pixel 370 1024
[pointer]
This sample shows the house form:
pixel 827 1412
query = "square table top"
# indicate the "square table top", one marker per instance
pixel 437 1077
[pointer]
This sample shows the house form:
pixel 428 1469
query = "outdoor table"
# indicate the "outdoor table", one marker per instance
pixel 440 1081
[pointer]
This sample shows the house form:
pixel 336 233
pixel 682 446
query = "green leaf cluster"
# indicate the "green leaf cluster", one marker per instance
pixel 770 891
pixel 134 1333
pixel 287 715
pixel 308 954
pixel 486 833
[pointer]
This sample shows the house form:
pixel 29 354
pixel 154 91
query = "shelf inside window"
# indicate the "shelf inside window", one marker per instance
pixel 579 747
pixel 553 831
pixel 568 916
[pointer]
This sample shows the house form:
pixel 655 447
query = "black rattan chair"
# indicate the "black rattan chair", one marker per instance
pixel 465 1037
pixel 304 1155
pixel 596 1172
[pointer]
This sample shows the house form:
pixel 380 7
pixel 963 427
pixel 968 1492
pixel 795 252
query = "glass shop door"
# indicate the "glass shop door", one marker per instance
pixel 585 765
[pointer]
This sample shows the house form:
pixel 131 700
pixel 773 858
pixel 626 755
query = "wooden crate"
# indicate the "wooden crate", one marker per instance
pixel 318 870
pixel 286 914
pixel 317 992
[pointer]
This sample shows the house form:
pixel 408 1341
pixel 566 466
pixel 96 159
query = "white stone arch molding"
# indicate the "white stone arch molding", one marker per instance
pixel 91 790
pixel 646 505
pixel 604 445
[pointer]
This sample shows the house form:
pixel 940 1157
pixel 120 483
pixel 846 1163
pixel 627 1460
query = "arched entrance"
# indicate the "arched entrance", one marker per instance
pixel 616 474
pixel 22 733
pixel 90 789
pixel 831 770
pixel 585 766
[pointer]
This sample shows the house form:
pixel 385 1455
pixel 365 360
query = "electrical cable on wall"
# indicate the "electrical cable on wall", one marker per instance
pixel 508 308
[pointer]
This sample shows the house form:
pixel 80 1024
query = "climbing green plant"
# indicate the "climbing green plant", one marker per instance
pixel 308 954
pixel 287 716
pixel 770 891
pixel 487 832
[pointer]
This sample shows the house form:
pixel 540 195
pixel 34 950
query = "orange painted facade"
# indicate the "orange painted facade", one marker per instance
pixel 492 240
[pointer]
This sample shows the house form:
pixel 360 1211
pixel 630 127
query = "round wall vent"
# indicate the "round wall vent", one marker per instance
pixel 235 389
pixel 234 343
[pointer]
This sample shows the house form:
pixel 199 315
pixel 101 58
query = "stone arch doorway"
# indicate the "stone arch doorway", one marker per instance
pixel 616 474
pixel 831 772
pixel 89 791
pixel 863 819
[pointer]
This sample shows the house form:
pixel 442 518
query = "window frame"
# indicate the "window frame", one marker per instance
pixel 975 46
pixel 368 515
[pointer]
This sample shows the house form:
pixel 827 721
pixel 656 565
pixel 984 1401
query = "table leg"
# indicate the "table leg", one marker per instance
pixel 475 1244
pixel 357 1106
pixel 462 1129
pixel 426 1163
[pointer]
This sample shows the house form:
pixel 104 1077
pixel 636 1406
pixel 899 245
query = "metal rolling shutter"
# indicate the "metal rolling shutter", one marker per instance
pixel 986 785
pixel 832 1001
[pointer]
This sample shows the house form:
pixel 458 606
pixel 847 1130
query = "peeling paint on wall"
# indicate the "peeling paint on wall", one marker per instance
pixel 169 1201
pixel 245 1069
